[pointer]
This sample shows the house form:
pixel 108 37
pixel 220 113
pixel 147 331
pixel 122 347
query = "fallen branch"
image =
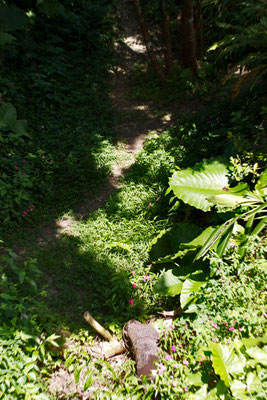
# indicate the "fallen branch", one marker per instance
pixel 110 348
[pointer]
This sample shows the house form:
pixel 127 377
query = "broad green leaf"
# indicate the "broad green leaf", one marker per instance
pixel 195 379
pixel 260 355
pixel 227 200
pixel 168 284
pixel 253 382
pixel 8 114
pixel 261 185
pixel 252 341
pixel 195 185
pixel 222 358
pixel 11 18
pixel 19 127
pixel 168 242
pixel 6 38
pixel 188 289
pixel 201 394
pixel 200 239
pixel 238 390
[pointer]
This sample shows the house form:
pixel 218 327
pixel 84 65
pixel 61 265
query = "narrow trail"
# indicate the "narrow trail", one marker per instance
pixel 135 123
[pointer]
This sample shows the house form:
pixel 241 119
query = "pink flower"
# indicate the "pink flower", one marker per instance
pixel 240 329
pixel 229 341
pixel 138 206
pixel 146 278
pixel 202 358
pixel 174 384
pixel 175 365
pixel 42 126
pixel 186 389
pixel 133 272
pixel 231 328
pixel 162 368
pixel 180 345
pixel 214 339
pixel 186 324
pixel 25 212
pixel 214 325
pixel 168 357
pixel 134 285
pixel 173 349
pixel 131 302
pixel 185 362
pixel 31 209
pixel 150 204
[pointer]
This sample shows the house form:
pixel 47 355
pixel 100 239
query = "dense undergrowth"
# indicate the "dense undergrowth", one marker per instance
pixel 105 264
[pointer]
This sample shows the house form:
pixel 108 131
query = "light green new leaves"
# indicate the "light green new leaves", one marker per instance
pixel 195 186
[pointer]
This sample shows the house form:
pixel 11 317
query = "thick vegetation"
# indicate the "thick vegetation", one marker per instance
pixel 186 231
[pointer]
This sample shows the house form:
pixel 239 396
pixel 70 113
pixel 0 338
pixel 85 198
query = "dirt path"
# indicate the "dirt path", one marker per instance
pixel 135 122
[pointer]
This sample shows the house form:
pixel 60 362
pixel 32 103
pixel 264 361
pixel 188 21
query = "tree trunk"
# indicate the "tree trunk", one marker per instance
pixel 199 27
pixel 188 35
pixel 166 38
pixel 149 46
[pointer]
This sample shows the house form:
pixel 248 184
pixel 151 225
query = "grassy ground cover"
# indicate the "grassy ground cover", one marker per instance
pixel 103 264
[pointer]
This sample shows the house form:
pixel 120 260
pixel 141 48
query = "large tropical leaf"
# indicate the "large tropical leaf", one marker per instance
pixel 206 179
pixel 225 361
pixel 11 18
pixel 167 245
pixel 168 284
pixel 188 289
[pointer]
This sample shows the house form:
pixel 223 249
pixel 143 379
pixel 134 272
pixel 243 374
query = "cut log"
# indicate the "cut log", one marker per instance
pixel 144 340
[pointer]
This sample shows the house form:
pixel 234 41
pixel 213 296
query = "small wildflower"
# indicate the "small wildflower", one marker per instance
pixel 43 157
pixel 229 341
pixel 146 278
pixel 202 359
pixel 175 365
pixel 174 383
pixel 134 285
pixel 240 329
pixel 24 161
pixel 173 349
pixel 180 345
pixel 131 302
pixel 25 212
pixel 168 357
pixel 186 324
pixel 138 206
pixel 186 389
pixel 185 362
pixel 214 325
pixel 162 368
pixel 133 272
pixel 231 328
pixel 42 126
pixel 214 339
pixel 150 204
pixel 31 209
